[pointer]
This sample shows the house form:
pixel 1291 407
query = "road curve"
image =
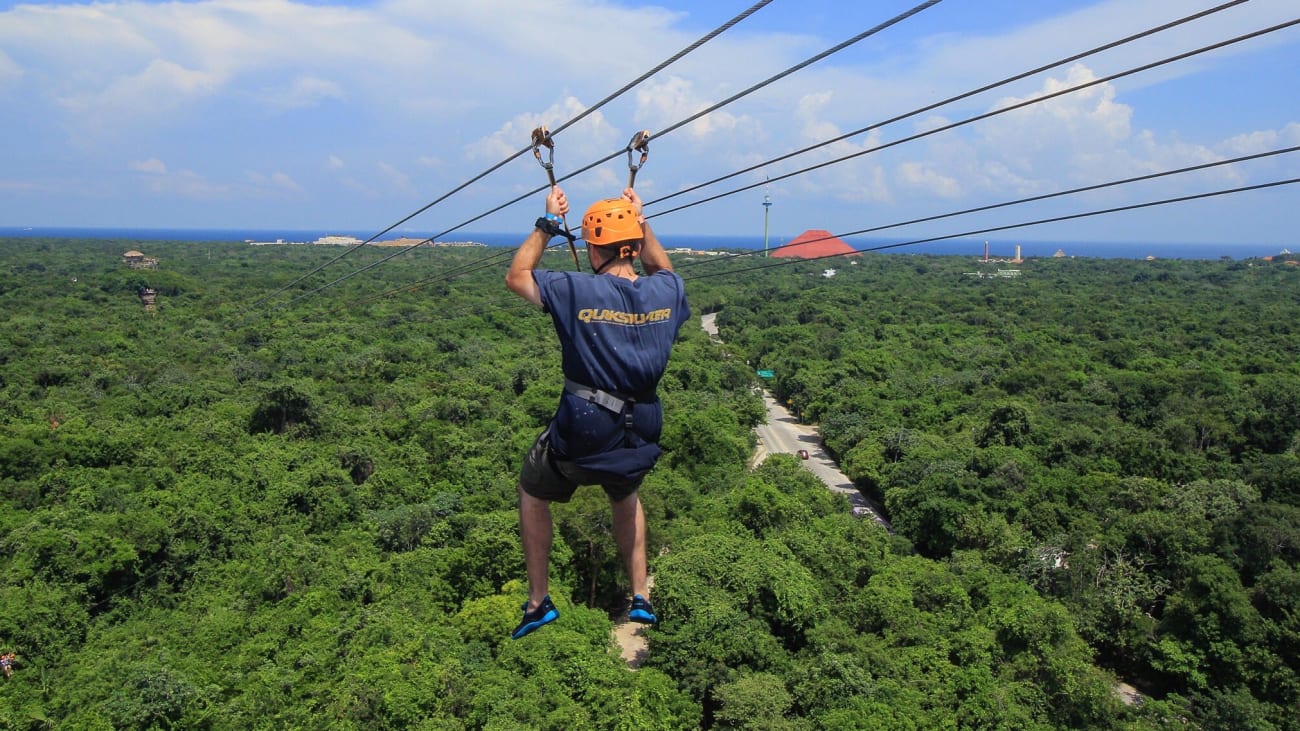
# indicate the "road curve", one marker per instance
pixel 783 434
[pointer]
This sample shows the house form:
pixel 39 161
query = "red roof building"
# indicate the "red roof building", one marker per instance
pixel 815 243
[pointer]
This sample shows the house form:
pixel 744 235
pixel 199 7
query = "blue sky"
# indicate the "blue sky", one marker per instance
pixel 271 114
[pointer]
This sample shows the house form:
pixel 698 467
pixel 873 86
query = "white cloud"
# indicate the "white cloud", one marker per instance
pixel 661 104
pixel 358 188
pixel 157 90
pixel 1079 130
pixel 577 145
pixel 153 165
pixel 10 72
pixel 1078 138
pixel 188 184
pixel 303 92
pixel 398 180
pixel 859 180
pixel 809 114
pixel 108 67
pixel 19 186
pixel 957 61
pixel 284 181
pixel 278 181
pixel 1251 143
pixel 288 85
pixel 921 175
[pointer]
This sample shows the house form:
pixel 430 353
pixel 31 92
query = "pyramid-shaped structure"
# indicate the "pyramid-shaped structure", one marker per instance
pixel 815 243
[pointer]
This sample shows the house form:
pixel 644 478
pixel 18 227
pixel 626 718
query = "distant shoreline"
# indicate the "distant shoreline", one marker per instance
pixel 999 248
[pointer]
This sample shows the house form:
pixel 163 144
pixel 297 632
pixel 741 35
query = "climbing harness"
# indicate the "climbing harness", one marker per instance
pixel 618 403
pixel 615 402
pixel 640 142
pixel 542 138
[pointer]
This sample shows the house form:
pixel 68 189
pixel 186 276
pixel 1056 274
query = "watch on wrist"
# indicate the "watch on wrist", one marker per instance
pixel 549 227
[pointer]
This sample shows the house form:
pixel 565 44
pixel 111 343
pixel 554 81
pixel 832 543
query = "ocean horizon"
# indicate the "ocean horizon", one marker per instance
pixel 997 248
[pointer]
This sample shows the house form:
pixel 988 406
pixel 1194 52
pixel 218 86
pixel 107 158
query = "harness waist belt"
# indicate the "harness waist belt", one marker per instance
pixel 615 402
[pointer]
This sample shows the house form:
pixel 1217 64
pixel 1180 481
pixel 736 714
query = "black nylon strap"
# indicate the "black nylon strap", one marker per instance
pixel 553 229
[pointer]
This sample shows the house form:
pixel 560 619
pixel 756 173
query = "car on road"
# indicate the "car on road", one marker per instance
pixel 803 454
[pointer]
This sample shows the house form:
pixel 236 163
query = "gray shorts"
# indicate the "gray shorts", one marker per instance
pixel 547 478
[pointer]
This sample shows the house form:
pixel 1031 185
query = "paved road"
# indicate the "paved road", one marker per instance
pixel 783 434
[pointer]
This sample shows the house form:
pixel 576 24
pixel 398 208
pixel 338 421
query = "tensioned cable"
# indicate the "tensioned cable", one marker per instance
pixel 992 229
pixel 835 49
pixel 994 113
pixel 959 97
pixel 773 79
pixel 415 286
pixel 979 117
pixel 1030 199
pixel 989 114
pixel 590 110
pixel 1108 46
pixel 790 262
pixel 665 64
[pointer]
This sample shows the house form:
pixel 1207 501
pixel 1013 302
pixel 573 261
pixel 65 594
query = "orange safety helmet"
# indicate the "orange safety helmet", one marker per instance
pixel 610 221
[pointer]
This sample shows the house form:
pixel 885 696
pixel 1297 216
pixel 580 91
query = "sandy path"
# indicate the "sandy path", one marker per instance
pixel 631 638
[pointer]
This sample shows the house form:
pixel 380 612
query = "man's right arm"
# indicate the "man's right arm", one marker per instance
pixel 520 277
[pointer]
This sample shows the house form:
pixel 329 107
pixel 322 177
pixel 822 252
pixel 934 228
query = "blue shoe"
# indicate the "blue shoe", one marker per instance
pixel 642 611
pixel 545 613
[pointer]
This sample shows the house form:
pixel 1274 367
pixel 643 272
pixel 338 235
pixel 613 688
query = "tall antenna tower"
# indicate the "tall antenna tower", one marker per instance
pixel 767 207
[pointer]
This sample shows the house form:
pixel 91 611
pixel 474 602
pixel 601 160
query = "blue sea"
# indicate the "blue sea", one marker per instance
pixel 998 249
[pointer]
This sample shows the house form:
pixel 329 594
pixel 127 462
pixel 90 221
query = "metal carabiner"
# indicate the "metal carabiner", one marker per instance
pixel 542 138
pixel 640 142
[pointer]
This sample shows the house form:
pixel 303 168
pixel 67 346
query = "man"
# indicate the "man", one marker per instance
pixel 616 332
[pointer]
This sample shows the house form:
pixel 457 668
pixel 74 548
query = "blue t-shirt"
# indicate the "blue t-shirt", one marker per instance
pixel 615 335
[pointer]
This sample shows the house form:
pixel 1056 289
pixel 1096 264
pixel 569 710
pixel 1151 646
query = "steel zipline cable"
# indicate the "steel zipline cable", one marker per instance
pixel 739 95
pixel 959 97
pixel 473 267
pixel 756 87
pixel 994 113
pixel 590 110
pixel 1035 100
pixel 415 286
pixel 515 303
pixel 678 125
pixel 835 49
pixel 1008 227
pixel 1030 199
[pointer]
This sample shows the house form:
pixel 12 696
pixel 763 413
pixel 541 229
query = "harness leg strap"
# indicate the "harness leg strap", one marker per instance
pixel 604 399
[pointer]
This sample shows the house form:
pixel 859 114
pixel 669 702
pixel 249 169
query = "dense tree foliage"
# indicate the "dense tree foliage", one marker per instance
pixel 258 509
pixel 1122 435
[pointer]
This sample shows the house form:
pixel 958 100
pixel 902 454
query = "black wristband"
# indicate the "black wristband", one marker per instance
pixel 549 227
